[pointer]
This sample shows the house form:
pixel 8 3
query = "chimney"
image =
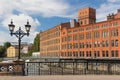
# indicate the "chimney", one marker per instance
pixel 72 23
pixel 118 10
pixel 112 16
pixel 108 17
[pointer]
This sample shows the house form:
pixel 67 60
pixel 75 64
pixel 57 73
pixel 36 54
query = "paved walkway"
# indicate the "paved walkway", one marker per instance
pixel 62 77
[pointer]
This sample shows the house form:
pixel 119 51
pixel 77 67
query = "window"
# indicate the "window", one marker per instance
pixel 116 43
pixel 81 29
pixel 116 52
pixel 69 54
pixel 103 53
pixel 91 21
pixel 82 45
pixel 112 52
pixel 64 39
pixel 64 46
pixel 104 25
pixel 114 32
pixel 88 28
pixel 96 35
pixel 95 44
pixel 81 36
pixel 81 22
pixel 81 53
pixel 96 27
pixel 105 34
pixel 75 37
pixel 69 38
pixel 75 54
pixel 57 34
pixel 75 30
pixel 87 54
pixel 112 43
pixel 87 44
pixel 75 45
pixel 95 54
pixel 88 36
pixel 85 22
pixel 90 44
pixel 69 46
pixel 65 54
pixel 98 52
pixel 106 43
pixel 103 43
pixel 98 44
pixel 115 24
pixel 90 53
pixel 107 54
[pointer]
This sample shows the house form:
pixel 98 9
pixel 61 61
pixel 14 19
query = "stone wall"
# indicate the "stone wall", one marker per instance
pixel 12 68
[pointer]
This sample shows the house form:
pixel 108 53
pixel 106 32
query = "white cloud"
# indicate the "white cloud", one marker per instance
pixel 109 7
pixel 6 8
pixel 21 10
pixel 20 21
pixel 46 8
pixel 112 1
pixel 6 37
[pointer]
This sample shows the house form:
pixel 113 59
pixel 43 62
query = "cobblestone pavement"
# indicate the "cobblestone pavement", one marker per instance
pixel 62 77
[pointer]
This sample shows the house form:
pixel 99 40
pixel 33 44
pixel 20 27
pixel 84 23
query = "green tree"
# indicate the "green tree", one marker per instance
pixel 7 44
pixel 37 43
pixel 2 51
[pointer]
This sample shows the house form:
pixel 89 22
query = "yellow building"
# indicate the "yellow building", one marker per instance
pixel 12 51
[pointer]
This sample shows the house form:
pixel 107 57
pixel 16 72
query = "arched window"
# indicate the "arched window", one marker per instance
pixel 112 43
pixel 116 43
pixel 85 22
pixel 107 54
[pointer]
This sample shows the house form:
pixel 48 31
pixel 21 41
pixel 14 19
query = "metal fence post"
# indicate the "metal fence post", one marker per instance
pixel 109 68
pixel 23 68
pixel 62 68
pixel 73 68
pixel 27 69
pixel 50 69
pixel 86 67
pixel 39 68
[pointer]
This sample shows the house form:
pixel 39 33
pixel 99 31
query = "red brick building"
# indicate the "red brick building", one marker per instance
pixel 84 38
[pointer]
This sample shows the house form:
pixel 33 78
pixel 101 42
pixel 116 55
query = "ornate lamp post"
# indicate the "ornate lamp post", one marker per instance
pixel 19 33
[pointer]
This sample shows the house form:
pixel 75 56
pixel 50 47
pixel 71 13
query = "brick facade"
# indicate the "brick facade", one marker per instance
pixel 83 39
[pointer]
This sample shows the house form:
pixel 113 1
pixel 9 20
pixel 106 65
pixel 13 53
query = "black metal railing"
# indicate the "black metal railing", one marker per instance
pixel 74 67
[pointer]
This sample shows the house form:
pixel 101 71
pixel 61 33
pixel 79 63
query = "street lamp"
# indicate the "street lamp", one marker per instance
pixel 19 33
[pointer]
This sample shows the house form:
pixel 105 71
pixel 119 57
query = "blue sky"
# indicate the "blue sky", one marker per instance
pixel 44 14
pixel 48 22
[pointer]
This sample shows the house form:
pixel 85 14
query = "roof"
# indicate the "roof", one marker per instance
pixel 15 46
